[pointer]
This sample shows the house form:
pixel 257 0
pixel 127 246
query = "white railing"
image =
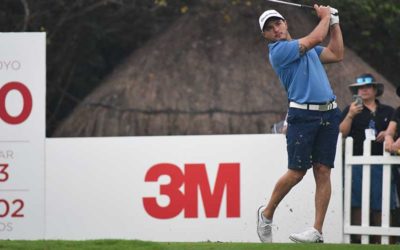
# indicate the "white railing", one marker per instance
pixel 367 160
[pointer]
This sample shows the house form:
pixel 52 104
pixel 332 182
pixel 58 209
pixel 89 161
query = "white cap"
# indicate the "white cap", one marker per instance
pixel 267 15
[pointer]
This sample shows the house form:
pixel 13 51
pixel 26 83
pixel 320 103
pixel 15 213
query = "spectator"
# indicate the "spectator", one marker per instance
pixel 367 120
pixel 392 138
pixel 280 127
pixel 392 145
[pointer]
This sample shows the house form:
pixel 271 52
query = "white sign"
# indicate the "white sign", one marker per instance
pixel 22 135
pixel 177 188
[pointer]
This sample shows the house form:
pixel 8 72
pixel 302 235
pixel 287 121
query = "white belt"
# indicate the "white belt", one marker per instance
pixel 316 107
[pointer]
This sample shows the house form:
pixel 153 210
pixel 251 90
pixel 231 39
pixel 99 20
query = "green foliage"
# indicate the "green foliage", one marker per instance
pixel 86 39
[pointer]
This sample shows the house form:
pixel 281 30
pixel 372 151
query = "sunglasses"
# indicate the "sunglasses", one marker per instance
pixel 367 79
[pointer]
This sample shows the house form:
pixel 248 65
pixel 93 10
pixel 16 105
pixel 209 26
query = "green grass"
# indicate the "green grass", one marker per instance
pixel 145 245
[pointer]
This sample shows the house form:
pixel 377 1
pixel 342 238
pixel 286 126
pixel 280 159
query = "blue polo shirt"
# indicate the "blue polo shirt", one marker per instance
pixel 303 77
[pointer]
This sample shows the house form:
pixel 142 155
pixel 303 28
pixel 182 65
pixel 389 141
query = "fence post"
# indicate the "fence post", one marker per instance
pixel 347 187
pixel 386 187
pixel 365 193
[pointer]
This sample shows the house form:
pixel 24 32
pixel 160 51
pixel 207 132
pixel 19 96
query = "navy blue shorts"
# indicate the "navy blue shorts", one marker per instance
pixel 312 137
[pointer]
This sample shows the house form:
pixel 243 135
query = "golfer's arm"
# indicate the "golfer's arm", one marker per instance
pixel 315 37
pixel 334 52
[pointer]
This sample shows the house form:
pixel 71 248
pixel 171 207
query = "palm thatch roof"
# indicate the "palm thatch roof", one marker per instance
pixel 207 74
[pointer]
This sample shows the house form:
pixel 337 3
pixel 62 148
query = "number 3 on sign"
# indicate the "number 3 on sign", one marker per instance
pixel 3 174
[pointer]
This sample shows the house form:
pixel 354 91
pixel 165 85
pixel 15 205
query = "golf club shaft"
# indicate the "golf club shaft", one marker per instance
pixel 292 4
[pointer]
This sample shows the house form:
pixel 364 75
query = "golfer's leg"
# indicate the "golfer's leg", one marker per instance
pixel 323 155
pixel 322 175
pixel 282 187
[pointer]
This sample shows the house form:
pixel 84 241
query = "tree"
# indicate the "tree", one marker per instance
pixel 86 40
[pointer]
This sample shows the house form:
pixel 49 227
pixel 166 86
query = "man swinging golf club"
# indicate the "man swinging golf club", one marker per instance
pixel 313 117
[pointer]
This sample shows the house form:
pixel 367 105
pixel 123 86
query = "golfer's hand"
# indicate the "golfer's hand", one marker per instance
pixel 334 16
pixel 322 11
pixel 381 136
pixel 354 109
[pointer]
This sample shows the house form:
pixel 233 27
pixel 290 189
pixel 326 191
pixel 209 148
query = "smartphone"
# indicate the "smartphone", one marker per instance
pixel 357 99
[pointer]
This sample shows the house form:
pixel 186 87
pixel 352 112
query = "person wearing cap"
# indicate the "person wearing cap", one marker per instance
pixel 392 138
pixel 313 117
pixel 367 120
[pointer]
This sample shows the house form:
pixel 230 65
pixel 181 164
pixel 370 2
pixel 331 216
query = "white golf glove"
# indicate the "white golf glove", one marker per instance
pixel 334 16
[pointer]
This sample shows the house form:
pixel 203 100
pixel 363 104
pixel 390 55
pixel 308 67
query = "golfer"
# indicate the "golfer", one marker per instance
pixel 313 117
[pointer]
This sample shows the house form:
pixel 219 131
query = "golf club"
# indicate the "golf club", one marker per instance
pixel 292 4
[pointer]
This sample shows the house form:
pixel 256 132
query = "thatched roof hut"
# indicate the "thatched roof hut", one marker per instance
pixel 207 74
